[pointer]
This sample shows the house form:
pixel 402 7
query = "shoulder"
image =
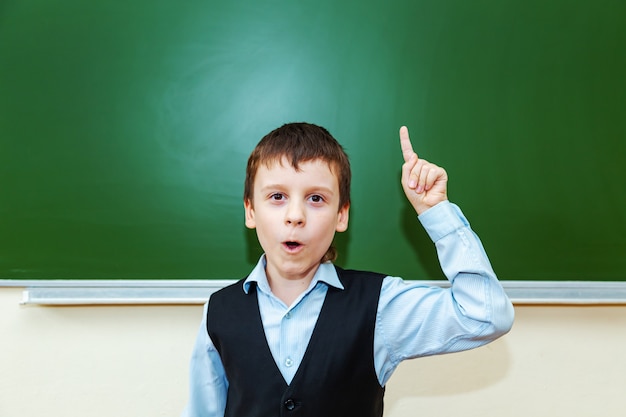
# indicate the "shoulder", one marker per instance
pixel 227 302
pixel 358 273
pixel 353 277
pixel 228 292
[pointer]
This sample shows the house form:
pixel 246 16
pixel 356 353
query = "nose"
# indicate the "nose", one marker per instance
pixel 295 214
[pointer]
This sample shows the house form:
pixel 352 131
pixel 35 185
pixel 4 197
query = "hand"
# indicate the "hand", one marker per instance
pixel 424 184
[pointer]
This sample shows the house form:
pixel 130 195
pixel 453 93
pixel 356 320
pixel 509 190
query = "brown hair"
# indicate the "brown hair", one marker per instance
pixel 301 142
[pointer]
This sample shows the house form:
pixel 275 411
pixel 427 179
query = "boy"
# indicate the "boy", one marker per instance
pixel 300 336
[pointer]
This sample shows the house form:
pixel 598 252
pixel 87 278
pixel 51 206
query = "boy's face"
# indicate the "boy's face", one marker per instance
pixel 296 215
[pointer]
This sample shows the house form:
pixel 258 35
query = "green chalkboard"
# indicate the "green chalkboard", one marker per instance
pixel 125 127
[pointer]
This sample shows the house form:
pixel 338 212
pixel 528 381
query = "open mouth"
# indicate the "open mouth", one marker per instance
pixel 292 245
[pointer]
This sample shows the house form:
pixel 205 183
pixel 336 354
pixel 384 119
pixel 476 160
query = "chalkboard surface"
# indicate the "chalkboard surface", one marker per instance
pixel 125 127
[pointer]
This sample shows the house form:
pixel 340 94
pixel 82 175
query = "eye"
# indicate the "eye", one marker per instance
pixel 277 197
pixel 316 198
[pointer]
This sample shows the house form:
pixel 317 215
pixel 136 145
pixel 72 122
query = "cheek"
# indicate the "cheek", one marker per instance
pixel 266 225
pixel 327 227
pixel 264 237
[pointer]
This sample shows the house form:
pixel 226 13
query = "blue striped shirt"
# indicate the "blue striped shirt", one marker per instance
pixel 413 319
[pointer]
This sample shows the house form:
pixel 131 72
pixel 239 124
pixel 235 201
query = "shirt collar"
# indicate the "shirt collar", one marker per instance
pixel 325 273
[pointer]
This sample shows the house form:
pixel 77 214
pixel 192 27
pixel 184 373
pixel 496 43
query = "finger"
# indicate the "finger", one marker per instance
pixel 417 175
pixel 405 144
pixel 425 175
pixel 422 176
pixel 409 177
pixel 434 172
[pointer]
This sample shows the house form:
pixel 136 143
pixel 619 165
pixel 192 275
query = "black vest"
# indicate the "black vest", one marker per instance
pixel 336 376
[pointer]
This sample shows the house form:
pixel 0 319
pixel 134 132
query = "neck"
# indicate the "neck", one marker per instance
pixel 288 289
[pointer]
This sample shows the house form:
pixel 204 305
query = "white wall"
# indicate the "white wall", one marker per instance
pixel 131 361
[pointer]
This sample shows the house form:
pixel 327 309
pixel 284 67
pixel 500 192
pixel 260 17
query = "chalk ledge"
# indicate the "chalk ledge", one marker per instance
pixel 180 292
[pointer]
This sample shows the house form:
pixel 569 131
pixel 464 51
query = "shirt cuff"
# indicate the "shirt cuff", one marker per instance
pixel 442 219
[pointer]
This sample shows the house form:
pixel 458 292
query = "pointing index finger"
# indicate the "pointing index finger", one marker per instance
pixel 405 144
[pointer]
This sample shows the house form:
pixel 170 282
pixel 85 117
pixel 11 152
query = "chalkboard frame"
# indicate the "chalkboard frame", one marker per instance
pixel 532 93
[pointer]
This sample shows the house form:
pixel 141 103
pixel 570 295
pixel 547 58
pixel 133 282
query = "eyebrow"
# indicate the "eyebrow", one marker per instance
pixel 318 188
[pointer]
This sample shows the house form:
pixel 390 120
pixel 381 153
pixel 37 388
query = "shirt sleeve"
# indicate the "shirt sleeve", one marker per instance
pixel 417 320
pixel 207 380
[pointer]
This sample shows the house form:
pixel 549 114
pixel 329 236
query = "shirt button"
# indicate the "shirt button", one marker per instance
pixel 288 315
pixel 290 405
pixel 288 362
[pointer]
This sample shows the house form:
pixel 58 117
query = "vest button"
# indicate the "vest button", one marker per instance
pixel 290 405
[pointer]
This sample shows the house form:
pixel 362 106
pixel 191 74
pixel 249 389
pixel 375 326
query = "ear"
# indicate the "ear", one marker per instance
pixel 250 222
pixel 342 218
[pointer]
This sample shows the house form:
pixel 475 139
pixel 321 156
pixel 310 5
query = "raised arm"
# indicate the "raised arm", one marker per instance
pixel 415 319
